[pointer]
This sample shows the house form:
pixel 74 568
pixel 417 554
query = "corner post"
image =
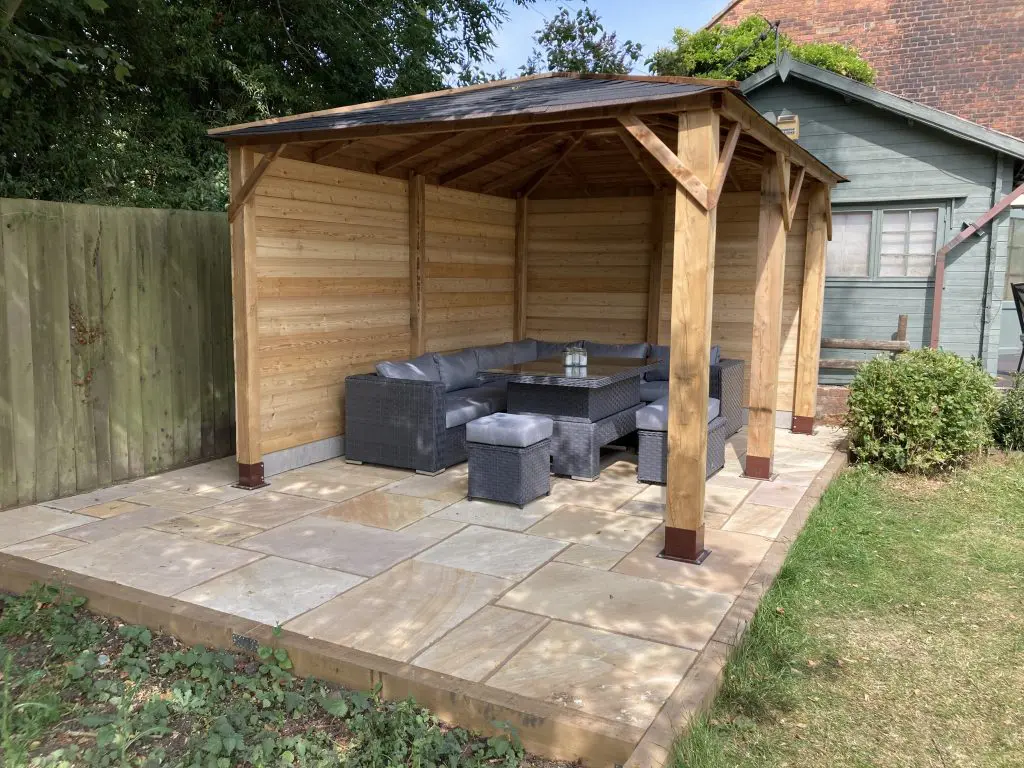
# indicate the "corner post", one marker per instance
pixel 241 166
pixel 417 263
pixel 805 401
pixel 693 274
pixel 767 338
pixel 655 269
pixel 521 259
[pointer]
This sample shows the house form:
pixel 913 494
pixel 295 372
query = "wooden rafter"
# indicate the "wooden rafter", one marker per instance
pixel 472 141
pixel 508 179
pixel 828 212
pixel 543 173
pixel 328 151
pixel 249 187
pixel 724 161
pixel 736 186
pixel 412 152
pixel 640 157
pixel 668 159
pixel 493 157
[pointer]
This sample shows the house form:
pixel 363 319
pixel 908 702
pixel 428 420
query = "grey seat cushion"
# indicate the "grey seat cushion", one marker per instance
pixel 422 368
pixel 498 356
pixel 467 404
pixel 654 417
pixel 524 351
pixel 636 351
pixel 653 390
pixel 508 429
pixel 458 369
pixel 660 351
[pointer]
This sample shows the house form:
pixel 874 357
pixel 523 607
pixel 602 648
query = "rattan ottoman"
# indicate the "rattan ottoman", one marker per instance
pixel 509 458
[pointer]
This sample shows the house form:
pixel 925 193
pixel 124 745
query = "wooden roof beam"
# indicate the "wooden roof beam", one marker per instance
pixel 331 149
pixel 412 152
pixel 506 179
pixel 249 187
pixel 536 180
pixel 499 154
pixel 640 157
pixel 473 141
pixel 668 159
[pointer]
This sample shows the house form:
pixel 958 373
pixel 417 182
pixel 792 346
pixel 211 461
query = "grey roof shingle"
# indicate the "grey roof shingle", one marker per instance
pixel 545 95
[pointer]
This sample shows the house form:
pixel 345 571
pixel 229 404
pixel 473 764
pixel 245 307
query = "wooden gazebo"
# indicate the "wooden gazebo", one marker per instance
pixel 531 207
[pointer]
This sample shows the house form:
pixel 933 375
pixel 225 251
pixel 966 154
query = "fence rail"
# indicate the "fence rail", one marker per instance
pixel 896 345
pixel 115 345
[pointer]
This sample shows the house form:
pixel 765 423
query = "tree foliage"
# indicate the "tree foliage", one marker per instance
pixel 580 43
pixel 740 51
pixel 109 101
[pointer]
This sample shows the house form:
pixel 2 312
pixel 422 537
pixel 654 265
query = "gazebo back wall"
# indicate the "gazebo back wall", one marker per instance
pixel 333 281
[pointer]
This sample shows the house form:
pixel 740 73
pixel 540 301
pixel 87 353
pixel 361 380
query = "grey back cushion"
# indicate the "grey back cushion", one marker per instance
pixel 422 368
pixel 661 352
pixel 551 348
pixel 654 417
pixel 524 351
pixel 498 356
pixel 636 351
pixel 458 370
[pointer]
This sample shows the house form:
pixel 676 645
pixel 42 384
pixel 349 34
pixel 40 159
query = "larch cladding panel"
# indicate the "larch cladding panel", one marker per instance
pixel 587 269
pixel 332 264
pixel 732 319
pixel 470 269
pixel 889 160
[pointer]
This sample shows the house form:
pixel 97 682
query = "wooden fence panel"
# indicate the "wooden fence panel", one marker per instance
pixel 115 345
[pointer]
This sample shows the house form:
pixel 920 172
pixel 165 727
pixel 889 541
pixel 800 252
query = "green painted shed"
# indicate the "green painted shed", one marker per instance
pixel 917 177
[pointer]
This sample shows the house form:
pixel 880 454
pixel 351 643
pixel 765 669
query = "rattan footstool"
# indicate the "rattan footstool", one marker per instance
pixel 509 458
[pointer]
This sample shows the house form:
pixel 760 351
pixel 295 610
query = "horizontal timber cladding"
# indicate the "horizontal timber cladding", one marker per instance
pixel 115 345
pixel 332 266
pixel 732 324
pixel 587 268
pixel 470 269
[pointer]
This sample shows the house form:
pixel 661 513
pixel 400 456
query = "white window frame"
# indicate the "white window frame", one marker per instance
pixel 877 210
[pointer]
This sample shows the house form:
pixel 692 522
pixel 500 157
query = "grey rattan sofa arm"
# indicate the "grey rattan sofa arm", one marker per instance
pixel 727 385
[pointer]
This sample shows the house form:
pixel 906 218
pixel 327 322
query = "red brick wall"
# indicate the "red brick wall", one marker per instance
pixel 961 56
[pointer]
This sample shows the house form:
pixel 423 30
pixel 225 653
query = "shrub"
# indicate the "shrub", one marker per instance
pixel 1008 424
pixel 921 411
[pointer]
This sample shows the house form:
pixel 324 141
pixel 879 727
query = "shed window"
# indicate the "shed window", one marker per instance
pixel 884 242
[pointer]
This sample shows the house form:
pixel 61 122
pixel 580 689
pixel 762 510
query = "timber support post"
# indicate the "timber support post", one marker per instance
pixel 693 273
pixel 767 336
pixel 521 259
pixel 242 167
pixel 805 401
pixel 417 264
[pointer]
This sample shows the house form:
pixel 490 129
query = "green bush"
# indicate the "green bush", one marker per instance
pixel 1008 424
pixel 921 411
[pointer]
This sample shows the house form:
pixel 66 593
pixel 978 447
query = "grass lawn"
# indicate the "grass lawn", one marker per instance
pixel 894 635
pixel 78 690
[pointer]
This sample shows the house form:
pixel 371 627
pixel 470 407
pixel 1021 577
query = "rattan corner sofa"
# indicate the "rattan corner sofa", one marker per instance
pixel 413 414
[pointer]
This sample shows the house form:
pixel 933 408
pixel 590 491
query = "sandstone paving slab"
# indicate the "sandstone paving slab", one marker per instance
pixel 777 494
pixel 382 510
pixel 595 527
pixel 435 527
pixel 619 467
pixel 495 515
pixel 624 679
pixel 731 480
pixel 223 493
pixel 734 558
pixel 478 645
pixel 368 471
pixel 597 494
pixel 653 509
pixel 24 523
pixel 450 486
pixel 266 509
pixel 91 498
pixel 181 502
pixel 142 517
pixel 197 478
pixel 198 526
pixel 400 612
pixel 617 602
pixel 590 557
pixel 348 547
pixel 43 547
pixel 154 561
pixel 505 554
pixel 795 458
pixel 271 590
pixel 111 509
pixel 323 485
pixel 758 520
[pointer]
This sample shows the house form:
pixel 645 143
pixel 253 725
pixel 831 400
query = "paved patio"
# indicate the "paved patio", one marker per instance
pixel 558 608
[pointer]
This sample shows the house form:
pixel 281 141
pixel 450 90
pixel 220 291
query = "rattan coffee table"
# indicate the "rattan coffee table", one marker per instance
pixel 590 406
